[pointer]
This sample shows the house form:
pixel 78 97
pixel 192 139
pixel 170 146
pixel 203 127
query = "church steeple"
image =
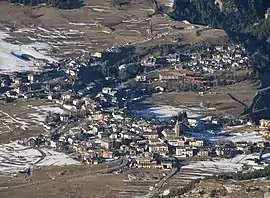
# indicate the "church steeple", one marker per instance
pixel 177 129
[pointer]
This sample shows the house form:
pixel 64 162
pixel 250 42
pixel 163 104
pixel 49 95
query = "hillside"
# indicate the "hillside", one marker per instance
pixel 235 16
pixel 62 4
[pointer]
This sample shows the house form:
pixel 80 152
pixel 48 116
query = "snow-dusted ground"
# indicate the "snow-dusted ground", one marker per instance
pixel 10 60
pixel 227 165
pixel 48 108
pixel 215 166
pixel 15 157
pixel 240 137
pixel 166 112
pixel 43 109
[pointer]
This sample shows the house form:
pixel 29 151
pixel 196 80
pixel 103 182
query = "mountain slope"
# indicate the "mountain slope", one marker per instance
pixel 62 4
pixel 241 16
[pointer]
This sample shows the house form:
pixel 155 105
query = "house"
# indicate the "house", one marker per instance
pixel 176 142
pixel 66 96
pixel 117 115
pixel 159 148
pixel 196 143
pixel 106 90
pixel 71 72
pixel 32 77
pixel 144 162
pixel 173 58
pixel 264 124
pixel 204 152
pixel 185 151
pixel 241 145
pixel 97 54
pixel 167 164
pixel 141 78
pixel 225 150
pixel 104 143
pixel 64 118
pixel 159 89
pixel 124 147
pixel 260 144
pixel 149 62
pixel 4 83
pixel 267 13
pixel 171 77
pixel 149 135
pixel 17 81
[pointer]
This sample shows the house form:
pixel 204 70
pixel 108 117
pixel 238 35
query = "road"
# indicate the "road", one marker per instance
pixel 122 163
pixel 161 183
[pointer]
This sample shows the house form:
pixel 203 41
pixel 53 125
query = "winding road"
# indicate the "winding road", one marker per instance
pixel 161 183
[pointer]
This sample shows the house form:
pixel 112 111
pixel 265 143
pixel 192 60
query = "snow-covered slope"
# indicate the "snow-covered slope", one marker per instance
pixel 10 59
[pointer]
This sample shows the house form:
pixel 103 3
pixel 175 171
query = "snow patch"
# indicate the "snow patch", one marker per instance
pixel 10 59
pixel 15 157
pixel 165 112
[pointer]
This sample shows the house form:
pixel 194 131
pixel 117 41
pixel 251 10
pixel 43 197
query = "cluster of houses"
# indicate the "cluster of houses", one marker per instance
pixel 99 125
pixel 105 133
pixel 212 67
pixel 218 58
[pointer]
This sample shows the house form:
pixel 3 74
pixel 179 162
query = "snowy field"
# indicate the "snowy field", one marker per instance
pixel 15 157
pixel 233 137
pixel 25 118
pixel 166 112
pixel 228 165
pixel 240 137
pixel 10 55
pixel 42 110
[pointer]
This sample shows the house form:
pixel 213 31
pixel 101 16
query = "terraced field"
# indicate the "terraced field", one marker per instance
pixel 97 26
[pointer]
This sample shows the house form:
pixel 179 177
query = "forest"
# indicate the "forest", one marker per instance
pixel 61 4
pixel 239 16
